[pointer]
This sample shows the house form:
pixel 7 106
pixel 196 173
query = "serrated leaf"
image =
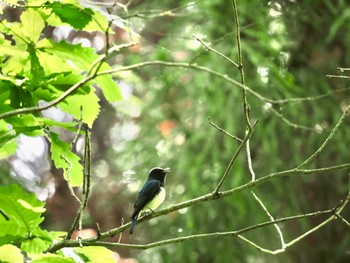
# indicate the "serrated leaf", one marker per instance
pixel 88 103
pixel 64 158
pixel 74 15
pixel 109 87
pixel 23 220
pixel 34 245
pixel 16 30
pixel 10 253
pixel 98 22
pixel 67 125
pixel 75 56
pixel 26 124
pixel 32 24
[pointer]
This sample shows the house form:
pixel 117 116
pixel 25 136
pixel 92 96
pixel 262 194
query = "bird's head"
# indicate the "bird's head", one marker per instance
pixel 158 173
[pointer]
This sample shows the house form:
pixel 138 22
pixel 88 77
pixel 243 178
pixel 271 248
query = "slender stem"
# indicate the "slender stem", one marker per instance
pixel 330 136
pixel 240 64
pixel 292 124
pixel 215 51
pixel 343 69
pixel 338 76
pixel 234 157
pixel 278 229
pixel 223 131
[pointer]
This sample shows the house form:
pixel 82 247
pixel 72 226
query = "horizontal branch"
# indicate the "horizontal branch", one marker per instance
pixel 168 64
pixel 95 242
pixel 204 198
pixel 217 74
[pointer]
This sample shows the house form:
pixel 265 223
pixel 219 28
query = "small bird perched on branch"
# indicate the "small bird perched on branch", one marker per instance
pixel 151 195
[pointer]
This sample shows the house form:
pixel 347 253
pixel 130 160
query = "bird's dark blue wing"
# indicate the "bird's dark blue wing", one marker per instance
pixel 146 194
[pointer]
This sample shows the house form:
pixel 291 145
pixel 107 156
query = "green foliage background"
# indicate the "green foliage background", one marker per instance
pixel 288 49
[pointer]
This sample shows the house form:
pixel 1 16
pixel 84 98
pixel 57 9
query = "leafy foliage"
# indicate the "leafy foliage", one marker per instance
pixel 36 69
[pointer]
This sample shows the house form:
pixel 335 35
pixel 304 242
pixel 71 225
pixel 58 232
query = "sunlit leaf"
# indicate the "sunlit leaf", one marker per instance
pixel 10 253
pixel 32 24
pixel 64 158
pixel 74 15
pixel 23 219
pixel 85 106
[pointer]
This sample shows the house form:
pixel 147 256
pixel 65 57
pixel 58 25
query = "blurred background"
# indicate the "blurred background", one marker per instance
pixel 288 49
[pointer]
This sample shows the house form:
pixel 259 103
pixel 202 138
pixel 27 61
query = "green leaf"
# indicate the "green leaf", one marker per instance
pixel 74 56
pixel 32 24
pixel 6 135
pixel 10 253
pixel 98 22
pixel 96 254
pixel 88 103
pixel 16 30
pixel 64 158
pixel 109 87
pixel 60 57
pixel 52 258
pixel 72 14
pixel 34 245
pixel 67 125
pixel 23 209
pixel 8 149
pixel 26 124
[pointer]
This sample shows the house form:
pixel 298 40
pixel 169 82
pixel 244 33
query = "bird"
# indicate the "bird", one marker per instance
pixel 151 195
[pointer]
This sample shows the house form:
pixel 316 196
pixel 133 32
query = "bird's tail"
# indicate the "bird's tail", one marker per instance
pixel 133 224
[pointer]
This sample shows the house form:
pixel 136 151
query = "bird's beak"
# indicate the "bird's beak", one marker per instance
pixel 167 170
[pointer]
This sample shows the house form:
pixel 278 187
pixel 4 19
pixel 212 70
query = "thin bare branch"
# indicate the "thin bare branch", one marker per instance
pixel 215 51
pixel 327 140
pixel 234 157
pixel 223 131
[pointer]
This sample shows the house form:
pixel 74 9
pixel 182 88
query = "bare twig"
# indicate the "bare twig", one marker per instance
pixel 327 140
pixel 246 106
pixel 223 131
pixel 338 76
pixel 77 222
pixel 234 157
pixel 271 218
pixel 215 51
pixel 343 69
pixel 292 124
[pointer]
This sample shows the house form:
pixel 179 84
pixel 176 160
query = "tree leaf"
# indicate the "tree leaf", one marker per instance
pixel 88 103
pixel 72 14
pixel 32 24
pixel 64 158
pixel 109 87
pixel 10 253
pixel 23 209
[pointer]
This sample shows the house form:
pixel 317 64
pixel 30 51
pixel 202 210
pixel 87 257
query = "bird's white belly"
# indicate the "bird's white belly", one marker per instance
pixel 157 200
